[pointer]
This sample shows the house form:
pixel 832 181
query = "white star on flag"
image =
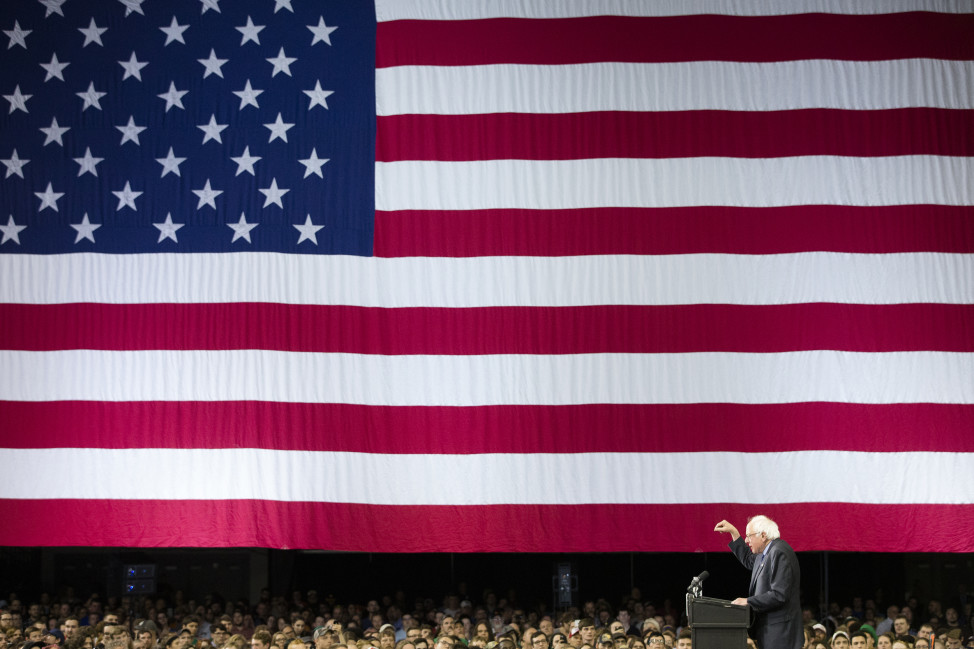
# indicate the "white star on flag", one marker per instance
pixel 49 198
pixel 86 229
pixel 54 132
pixel 91 97
pixel 273 194
pixel 213 65
pixel 130 132
pixel 18 101
pixel 173 97
pixel 126 197
pixel 318 96
pixel 53 7
pixel 133 5
pixel 17 36
pixel 250 32
pixel 92 33
pixel 207 195
pixel 313 164
pixel 278 129
pixel 167 229
pixel 88 163
pixel 321 31
pixel 212 130
pixel 174 32
pixel 170 164
pixel 283 4
pixel 281 63
pixel 309 231
pixel 133 67
pixel 15 165
pixel 245 162
pixel 55 69
pixel 11 231
pixel 210 4
pixel 248 96
pixel 241 229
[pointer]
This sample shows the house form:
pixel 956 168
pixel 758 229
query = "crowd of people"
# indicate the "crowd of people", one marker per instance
pixel 309 621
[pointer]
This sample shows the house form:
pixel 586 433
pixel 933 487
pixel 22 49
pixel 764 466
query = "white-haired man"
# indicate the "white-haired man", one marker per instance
pixel 775 582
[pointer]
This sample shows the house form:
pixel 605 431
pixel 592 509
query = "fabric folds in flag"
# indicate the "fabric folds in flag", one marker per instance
pixel 475 276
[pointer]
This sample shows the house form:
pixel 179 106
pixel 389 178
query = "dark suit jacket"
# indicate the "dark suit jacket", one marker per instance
pixel 774 595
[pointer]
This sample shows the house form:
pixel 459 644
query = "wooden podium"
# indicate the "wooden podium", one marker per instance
pixel 718 624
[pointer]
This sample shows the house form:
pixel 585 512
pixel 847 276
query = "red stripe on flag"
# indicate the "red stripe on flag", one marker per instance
pixel 676 38
pixel 570 136
pixel 493 330
pixel 596 428
pixel 676 230
pixel 340 527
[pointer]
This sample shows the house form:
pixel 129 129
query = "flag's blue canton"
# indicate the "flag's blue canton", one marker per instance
pixel 187 126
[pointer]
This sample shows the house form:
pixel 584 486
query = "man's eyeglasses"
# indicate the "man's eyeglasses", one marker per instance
pixel 747 536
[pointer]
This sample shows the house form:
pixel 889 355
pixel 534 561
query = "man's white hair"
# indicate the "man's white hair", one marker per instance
pixel 766 526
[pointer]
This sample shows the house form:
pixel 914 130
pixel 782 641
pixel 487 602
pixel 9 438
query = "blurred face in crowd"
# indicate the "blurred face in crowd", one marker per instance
pixel 840 642
pixel 70 629
pixel 901 625
pixel 883 642
pixel 858 642
pixel 683 643
pixel 587 633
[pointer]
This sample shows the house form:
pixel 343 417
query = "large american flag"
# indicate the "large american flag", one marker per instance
pixel 472 275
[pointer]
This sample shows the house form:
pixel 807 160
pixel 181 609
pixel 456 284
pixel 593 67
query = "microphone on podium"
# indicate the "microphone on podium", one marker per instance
pixel 695 583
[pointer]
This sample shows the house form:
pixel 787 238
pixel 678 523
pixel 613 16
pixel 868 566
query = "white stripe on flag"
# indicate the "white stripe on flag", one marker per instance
pixel 475 380
pixel 387 10
pixel 698 85
pixel 489 281
pixel 487 479
pixel 674 182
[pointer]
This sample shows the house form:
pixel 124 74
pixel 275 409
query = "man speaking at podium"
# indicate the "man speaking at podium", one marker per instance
pixel 774 593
